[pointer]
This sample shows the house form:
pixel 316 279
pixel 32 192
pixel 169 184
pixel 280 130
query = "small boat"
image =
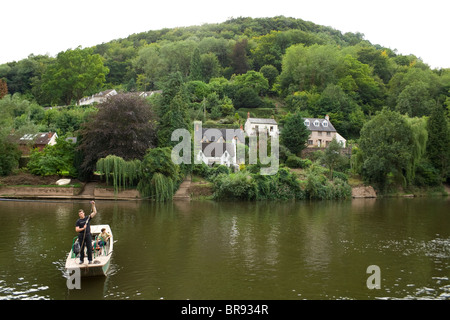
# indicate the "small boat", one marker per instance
pixel 101 256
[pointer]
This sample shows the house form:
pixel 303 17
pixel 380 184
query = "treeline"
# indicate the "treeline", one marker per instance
pixel 308 67
pixel 271 67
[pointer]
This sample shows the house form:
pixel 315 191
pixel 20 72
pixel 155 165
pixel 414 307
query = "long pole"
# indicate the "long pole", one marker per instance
pixel 84 233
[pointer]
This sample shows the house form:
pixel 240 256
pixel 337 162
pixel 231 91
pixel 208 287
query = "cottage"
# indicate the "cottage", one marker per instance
pixel 222 135
pixel 255 125
pixel 38 140
pixel 218 146
pixel 322 132
pixel 218 153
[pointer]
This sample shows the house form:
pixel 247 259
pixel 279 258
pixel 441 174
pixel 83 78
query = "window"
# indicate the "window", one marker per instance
pixel 310 142
pixel 316 123
pixel 328 133
pixel 325 123
pixel 306 122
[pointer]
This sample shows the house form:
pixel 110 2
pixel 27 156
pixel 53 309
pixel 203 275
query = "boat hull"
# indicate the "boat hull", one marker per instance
pixel 101 258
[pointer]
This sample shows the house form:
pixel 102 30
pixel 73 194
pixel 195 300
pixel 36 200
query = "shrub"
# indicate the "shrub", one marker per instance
pixel 426 175
pixel 288 186
pixel 9 157
pixel 296 162
pixel 236 186
pixel 319 187
pixel 217 170
pixel 201 170
pixel 53 160
pixel 340 175
pixel 282 186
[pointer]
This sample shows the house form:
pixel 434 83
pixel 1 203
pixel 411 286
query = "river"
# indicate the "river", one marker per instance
pixel 206 250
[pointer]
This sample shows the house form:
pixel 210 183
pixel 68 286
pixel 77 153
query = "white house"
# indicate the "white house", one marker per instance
pixel 255 125
pixel 98 97
pixel 218 153
pixel 219 146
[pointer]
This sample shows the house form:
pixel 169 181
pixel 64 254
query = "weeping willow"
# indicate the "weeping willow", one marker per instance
pixel 123 173
pixel 159 187
pixel 419 144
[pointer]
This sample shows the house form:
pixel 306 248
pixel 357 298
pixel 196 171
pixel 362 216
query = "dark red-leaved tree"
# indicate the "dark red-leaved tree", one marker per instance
pixel 124 126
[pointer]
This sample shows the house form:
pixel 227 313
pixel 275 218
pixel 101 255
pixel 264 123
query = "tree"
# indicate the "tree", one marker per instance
pixel 239 59
pixel 252 79
pixel 386 142
pixel 9 156
pixel 415 100
pixel 196 69
pixel 210 66
pixel 177 56
pixel 175 117
pixel 54 160
pixel 270 73
pixel 438 144
pixel 124 126
pixel 305 68
pixel 420 136
pixel 74 74
pixel 332 156
pixel 159 175
pixel 150 64
pixel 172 110
pixel 294 134
pixel 227 107
pixel 123 173
pixel 378 60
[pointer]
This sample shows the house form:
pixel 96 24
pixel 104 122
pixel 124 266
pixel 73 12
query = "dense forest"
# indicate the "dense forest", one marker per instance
pixel 393 108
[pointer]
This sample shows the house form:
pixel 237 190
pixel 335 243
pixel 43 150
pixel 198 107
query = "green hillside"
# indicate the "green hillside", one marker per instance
pixel 218 73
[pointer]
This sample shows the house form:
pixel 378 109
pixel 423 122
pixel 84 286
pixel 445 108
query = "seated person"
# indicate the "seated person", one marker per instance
pixel 103 238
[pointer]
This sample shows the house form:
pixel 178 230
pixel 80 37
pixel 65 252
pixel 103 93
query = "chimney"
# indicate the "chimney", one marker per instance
pixel 50 135
pixel 327 117
pixel 248 114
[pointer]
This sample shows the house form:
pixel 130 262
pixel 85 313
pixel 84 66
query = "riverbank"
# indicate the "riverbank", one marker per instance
pixel 87 191
pixel 193 188
pixel 27 186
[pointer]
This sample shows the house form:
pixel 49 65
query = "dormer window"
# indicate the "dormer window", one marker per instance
pixel 325 123
pixel 306 122
pixel 316 123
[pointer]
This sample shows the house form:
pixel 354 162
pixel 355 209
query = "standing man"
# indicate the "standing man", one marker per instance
pixel 83 227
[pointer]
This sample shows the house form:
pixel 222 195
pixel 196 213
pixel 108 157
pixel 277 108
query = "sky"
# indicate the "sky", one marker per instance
pixel 51 26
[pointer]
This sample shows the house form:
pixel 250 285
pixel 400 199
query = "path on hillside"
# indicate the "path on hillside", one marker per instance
pixel 183 191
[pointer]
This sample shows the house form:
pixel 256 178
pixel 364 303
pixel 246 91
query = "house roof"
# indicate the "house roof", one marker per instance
pixel 42 138
pixel 106 93
pixel 212 134
pixel 262 120
pixel 217 149
pixel 318 124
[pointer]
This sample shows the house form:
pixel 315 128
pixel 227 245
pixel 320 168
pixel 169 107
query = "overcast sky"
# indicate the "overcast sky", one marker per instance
pixel 51 26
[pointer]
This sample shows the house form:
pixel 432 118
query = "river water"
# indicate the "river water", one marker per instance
pixel 206 250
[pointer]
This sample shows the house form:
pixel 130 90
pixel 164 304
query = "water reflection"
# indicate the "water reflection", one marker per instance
pixel 234 250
